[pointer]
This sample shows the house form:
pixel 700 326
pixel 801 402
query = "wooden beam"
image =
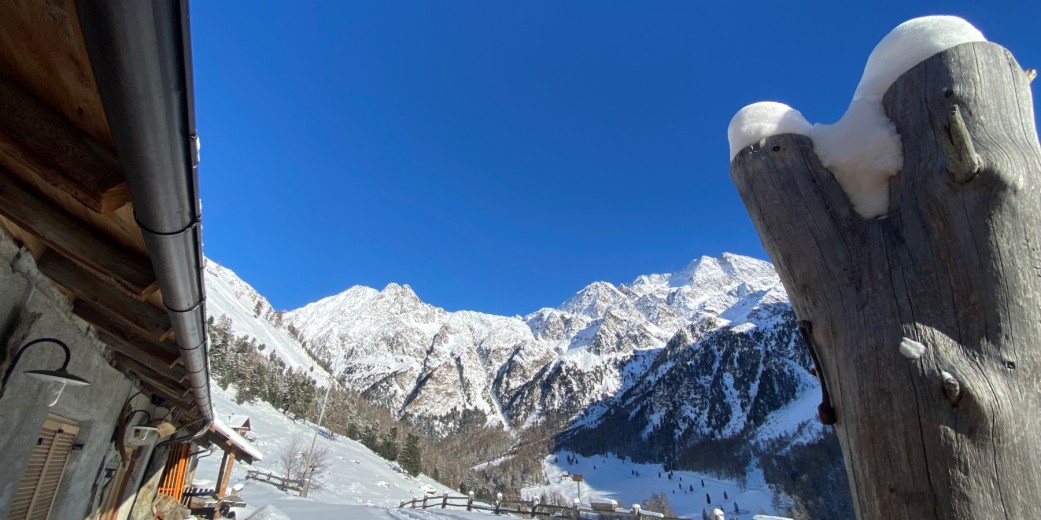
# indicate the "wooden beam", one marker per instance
pixel 172 393
pixel 166 394
pixel 128 270
pixel 85 285
pixel 146 374
pixel 176 373
pixel 163 352
pixel 34 140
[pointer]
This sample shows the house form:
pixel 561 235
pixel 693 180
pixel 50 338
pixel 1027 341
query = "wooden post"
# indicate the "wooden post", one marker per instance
pixel 224 474
pixel 925 322
pixel 444 500
pixel 470 501
pixel 534 506
pixel 220 473
pixel 498 502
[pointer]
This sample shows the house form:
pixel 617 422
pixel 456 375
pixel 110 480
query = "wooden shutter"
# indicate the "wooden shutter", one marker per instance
pixel 39 485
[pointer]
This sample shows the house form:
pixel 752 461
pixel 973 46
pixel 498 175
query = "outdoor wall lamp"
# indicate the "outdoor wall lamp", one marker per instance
pixel 60 376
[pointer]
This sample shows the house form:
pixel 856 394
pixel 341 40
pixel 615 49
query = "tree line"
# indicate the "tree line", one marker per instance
pixel 258 374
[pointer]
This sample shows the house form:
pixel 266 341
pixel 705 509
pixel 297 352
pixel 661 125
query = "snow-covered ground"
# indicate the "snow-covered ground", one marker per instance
pixel 607 477
pixel 362 485
pixel 359 485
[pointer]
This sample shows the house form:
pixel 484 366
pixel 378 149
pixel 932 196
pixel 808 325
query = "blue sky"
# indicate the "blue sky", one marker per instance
pixel 499 156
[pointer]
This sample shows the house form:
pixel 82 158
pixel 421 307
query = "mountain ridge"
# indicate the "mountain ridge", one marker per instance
pixel 701 368
pixel 394 347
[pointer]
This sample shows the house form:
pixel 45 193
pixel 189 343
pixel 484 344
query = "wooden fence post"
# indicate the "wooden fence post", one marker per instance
pixel 470 501
pixel 575 505
pixel 534 505
pixel 636 510
pixel 498 502
pixel 925 322
pixel 444 501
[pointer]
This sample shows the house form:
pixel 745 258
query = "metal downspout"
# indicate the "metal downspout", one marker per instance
pixel 140 54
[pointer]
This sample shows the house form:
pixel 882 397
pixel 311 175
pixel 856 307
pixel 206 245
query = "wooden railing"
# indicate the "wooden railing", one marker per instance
pixel 191 492
pixel 602 510
pixel 282 482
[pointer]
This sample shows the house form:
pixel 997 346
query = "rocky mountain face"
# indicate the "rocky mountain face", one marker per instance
pixel 701 368
pixel 707 351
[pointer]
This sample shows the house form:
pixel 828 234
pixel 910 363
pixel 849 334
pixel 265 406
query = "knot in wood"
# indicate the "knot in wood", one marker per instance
pixel 951 387
pixel 962 161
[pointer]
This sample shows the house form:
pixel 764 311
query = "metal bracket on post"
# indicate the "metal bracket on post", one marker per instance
pixel 825 411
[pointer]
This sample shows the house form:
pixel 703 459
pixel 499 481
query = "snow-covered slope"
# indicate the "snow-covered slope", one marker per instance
pixel 251 315
pixel 359 483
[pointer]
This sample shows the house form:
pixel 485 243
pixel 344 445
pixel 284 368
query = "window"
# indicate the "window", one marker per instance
pixel 35 493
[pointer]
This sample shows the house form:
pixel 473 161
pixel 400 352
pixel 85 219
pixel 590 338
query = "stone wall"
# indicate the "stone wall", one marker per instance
pixel 30 308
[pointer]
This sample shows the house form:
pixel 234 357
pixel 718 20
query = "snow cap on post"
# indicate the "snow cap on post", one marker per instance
pixel 862 150
pixel 908 44
pixel 763 119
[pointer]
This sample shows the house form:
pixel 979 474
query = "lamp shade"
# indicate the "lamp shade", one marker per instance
pixel 58 376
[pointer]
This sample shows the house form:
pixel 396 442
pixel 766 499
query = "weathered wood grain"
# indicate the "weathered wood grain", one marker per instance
pixel 163 352
pixel 42 50
pixel 127 269
pixel 38 142
pixel 139 315
pixel 951 431
pixel 164 364
pixel 140 371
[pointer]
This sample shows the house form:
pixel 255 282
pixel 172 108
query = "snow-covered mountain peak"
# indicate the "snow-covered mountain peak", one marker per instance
pixel 710 272
pixel 352 298
pixel 700 269
pixel 431 366
pixel 594 300
pixel 402 291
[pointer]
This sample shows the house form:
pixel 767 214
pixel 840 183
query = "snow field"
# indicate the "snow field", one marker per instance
pixel 607 477
pixel 360 484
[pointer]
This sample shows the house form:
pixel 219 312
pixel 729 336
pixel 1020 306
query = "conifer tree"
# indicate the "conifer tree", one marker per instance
pixel 411 459
pixel 389 446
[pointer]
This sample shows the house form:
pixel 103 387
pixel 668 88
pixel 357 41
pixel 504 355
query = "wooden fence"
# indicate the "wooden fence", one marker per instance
pixel 534 508
pixel 282 482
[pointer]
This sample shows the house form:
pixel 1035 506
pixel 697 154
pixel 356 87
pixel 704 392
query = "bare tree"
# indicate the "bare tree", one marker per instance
pixel 293 460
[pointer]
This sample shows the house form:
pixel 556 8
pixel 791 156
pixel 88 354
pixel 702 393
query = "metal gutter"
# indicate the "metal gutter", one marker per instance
pixel 140 52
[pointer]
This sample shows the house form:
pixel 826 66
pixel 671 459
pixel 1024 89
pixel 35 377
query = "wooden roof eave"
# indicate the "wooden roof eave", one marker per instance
pixel 63 193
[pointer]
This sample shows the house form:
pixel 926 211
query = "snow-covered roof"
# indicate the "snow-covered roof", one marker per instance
pixel 230 439
pixel 239 421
